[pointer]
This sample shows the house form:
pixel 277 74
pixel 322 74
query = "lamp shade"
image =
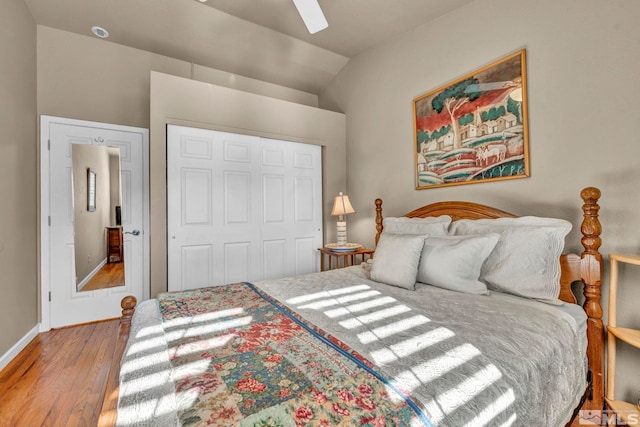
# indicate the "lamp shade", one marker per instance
pixel 342 205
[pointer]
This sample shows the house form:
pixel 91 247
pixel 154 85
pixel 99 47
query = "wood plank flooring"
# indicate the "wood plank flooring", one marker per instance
pixel 109 276
pixel 59 378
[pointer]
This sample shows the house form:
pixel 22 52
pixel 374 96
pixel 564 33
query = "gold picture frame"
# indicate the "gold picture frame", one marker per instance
pixel 474 129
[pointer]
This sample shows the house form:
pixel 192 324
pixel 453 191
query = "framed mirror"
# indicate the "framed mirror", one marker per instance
pixel 97 217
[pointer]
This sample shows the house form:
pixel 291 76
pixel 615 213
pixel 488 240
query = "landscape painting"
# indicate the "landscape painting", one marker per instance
pixel 475 128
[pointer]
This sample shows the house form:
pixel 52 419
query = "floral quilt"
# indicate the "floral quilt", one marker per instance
pixel 240 358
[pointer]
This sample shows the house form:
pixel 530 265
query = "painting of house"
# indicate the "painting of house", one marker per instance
pixel 477 122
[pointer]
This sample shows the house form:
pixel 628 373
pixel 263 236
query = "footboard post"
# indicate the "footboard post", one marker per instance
pixel 128 305
pixel 108 414
pixel 591 272
pixel 378 219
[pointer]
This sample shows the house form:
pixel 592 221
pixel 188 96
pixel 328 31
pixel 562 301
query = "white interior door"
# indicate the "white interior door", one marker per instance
pixel 65 304
pixel 240 208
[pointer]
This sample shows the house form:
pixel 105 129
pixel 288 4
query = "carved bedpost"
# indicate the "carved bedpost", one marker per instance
pixel 591 272
pixel 109 411
pixel 128 305
pixel 378 219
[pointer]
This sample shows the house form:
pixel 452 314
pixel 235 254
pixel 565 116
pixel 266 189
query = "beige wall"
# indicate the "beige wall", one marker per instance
pixel 18 174
pixel 584 105
pixel 87 78
pixel 190 103
pixel 91 79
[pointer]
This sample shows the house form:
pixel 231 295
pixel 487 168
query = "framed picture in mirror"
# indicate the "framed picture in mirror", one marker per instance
pixel 91 190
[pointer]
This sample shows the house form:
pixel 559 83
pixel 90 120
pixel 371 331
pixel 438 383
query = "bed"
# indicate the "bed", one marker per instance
pixel 344 347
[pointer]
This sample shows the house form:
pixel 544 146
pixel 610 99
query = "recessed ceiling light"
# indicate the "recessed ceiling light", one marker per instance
pixel 100 32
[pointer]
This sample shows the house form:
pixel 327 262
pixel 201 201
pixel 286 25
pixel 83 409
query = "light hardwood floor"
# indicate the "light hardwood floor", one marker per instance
pixel 109 276
pixel 59 378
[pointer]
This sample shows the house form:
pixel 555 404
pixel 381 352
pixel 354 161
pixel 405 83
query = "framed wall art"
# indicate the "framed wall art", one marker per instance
pixel 91 190
pixel 474 129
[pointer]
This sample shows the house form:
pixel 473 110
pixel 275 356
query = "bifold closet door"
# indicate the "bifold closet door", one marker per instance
pixel 240 208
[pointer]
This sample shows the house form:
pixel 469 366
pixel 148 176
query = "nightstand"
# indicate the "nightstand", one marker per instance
pixel 348 258
pixel 625 411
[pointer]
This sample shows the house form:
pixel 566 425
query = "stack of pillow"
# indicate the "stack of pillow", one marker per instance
pixel 520 256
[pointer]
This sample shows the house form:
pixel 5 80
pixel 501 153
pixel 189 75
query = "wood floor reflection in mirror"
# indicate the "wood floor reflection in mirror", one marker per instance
pixel 109 276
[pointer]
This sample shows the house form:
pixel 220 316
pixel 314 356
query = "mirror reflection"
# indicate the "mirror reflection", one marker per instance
pixel 97 198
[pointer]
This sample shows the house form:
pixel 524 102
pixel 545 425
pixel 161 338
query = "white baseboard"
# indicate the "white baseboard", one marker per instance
pixel 90 275
pixel 18 347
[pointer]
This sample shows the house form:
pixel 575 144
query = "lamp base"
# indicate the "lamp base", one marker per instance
pixel 341 228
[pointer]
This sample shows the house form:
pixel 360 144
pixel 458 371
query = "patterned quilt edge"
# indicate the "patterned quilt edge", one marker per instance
pixel 341 348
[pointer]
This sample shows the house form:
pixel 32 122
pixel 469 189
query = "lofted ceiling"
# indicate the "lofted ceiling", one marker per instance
pixel 261 39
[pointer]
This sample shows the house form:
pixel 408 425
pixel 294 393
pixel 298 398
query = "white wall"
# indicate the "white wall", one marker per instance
pixel 584 105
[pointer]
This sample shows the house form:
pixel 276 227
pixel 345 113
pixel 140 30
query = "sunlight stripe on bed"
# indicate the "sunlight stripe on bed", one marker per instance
pixel 327 294
pixel 203 317
pixel 411 345
pixel 317 305
pixel 209 328
pixel 354 308
pixel 436 367
pixel 499 405
pixel 452 399
pixel 384 331
pixel 376 316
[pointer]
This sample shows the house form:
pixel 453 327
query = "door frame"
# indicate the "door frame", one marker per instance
pixel 45 268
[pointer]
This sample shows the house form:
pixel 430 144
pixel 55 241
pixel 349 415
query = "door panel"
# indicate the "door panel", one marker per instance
pixel 273 192
pixel 263 194
pixel 305 257
pixel 237 197
pixel 274 259
pixel 197 269
pixel 196 197
pixel 237 257
pixel 304 199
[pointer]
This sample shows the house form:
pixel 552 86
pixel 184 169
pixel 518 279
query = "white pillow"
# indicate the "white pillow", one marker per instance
pixel 396 259
pixel 433 226
pixel 455 262
pixel 526 260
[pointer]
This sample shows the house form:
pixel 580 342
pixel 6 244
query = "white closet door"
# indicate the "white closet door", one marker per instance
pixel 240 208
pixel 292 208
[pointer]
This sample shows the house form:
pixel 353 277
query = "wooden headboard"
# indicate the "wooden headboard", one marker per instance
pixel 585 268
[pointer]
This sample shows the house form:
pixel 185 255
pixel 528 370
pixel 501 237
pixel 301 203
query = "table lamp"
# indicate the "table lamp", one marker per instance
pixel 342 206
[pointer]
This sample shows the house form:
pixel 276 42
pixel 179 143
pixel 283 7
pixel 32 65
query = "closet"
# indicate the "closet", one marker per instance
pixel 240 208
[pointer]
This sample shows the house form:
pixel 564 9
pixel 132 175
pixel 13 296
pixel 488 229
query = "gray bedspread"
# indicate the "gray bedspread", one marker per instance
pixel 470 360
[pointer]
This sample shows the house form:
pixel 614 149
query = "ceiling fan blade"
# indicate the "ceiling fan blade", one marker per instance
pixel 312 15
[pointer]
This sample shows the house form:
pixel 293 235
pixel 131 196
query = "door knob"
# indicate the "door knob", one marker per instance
pixel 134 232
